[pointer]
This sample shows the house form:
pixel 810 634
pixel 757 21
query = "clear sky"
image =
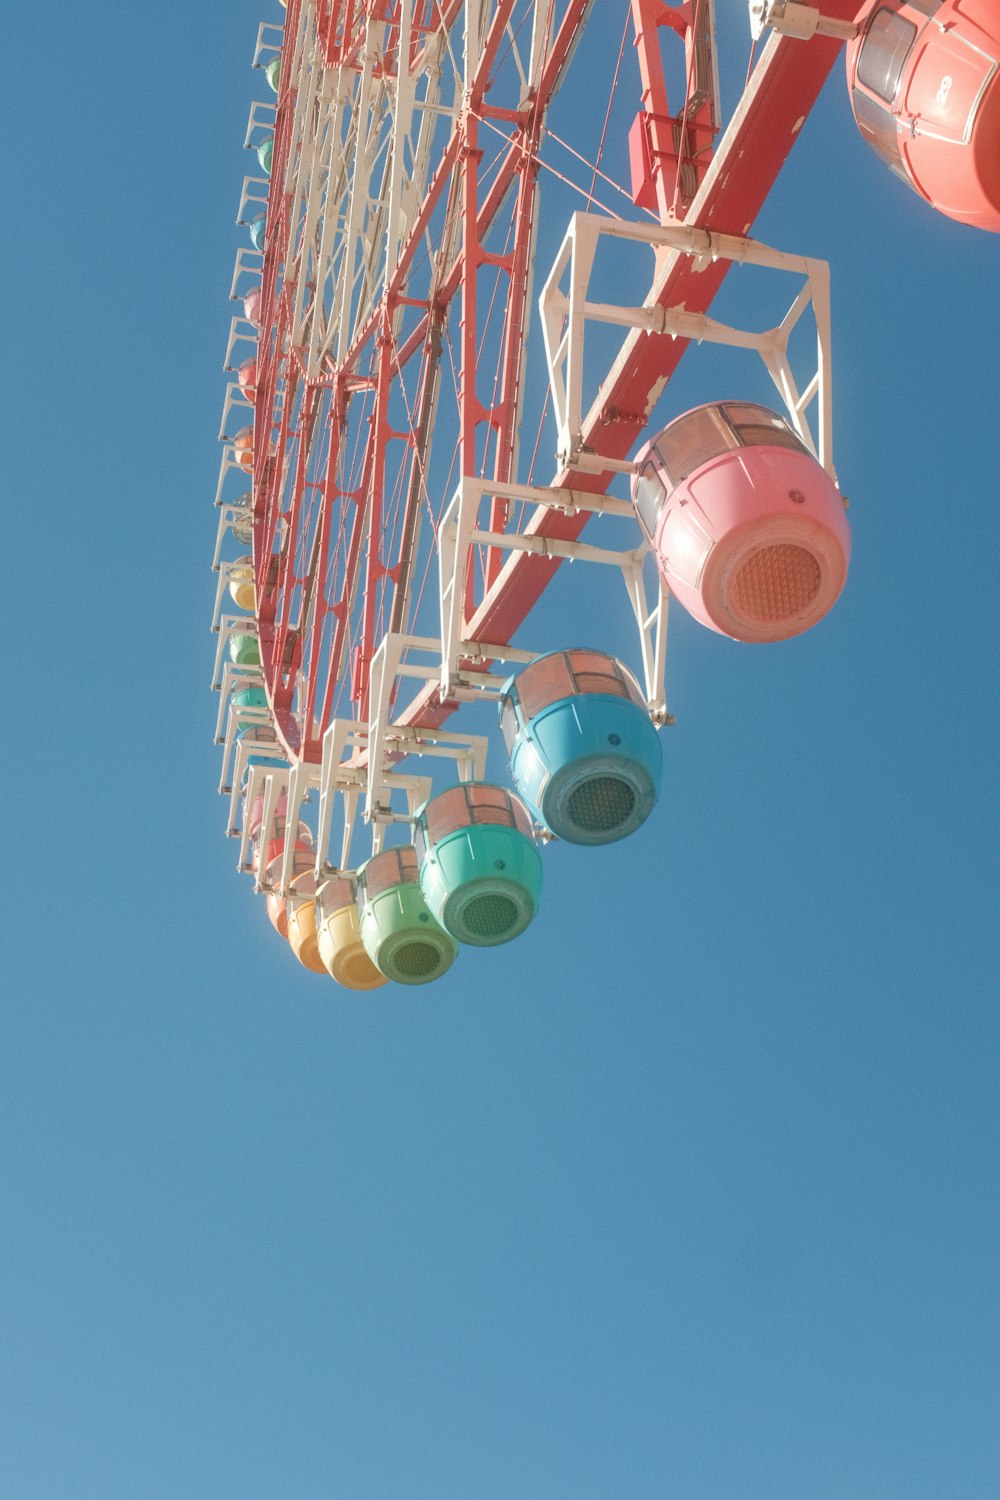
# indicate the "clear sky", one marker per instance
pixel 690 1194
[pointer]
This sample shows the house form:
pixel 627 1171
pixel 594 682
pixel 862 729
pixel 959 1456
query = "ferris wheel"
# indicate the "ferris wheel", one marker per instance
pixel 480 237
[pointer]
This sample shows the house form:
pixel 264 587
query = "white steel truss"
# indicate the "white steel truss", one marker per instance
pixel 460 532
pixel 802 22
pixel 566 311
pixel 269 39
pixel 234 680
pixel 362 149
pixel 249 263
pixel 343 778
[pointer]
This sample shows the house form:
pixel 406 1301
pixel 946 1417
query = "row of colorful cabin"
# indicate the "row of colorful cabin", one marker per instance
pixel 247 377
pixel 241 579
pixel 258 225
pixel 750 534
pixel 586 761
pixel 265 153
pixel 244 647
pixel 472 876
pixel 247 372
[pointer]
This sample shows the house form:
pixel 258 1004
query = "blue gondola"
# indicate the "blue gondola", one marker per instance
pixel 583 752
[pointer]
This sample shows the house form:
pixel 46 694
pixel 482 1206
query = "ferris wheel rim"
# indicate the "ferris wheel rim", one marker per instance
pixel 515 585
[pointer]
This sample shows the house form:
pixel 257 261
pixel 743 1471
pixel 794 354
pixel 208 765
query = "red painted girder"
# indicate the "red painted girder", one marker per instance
pixel 460 154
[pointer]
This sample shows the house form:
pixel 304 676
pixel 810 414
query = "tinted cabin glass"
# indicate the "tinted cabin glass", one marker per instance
pixel 490 804
pixel 879 129
pixel 632 687
pixel 595 673
pixel 522 821
pixel 392 867
pixel 544 682
pixel 755 425
pixel 304 861
pixel 692 440
pixel 337 894
pixel 592 661
pixel 593 682
pixel 467 805
pixel 508 722
pixel 884 52
pixel 649 498
pixel 446 813
pixel 381 873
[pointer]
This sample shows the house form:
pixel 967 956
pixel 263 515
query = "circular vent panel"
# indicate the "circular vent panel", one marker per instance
pixel 601 803
pixel 490 916
pixel 775 583
pixel 416 960
pixel 360 970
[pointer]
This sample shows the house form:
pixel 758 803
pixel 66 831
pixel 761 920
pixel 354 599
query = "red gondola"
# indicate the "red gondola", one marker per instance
pixel 925 90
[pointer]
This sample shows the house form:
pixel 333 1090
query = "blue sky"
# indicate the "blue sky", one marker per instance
pixel 690 1194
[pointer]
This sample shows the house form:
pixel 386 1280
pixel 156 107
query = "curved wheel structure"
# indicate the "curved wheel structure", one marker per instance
pixel 448 374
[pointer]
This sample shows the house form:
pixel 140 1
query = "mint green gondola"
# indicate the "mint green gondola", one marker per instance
pixel 265 151
pixel 258 228
pixel 399 934
pixel 250 698
pixel 244 650
pixel 480 872
pixel 273 73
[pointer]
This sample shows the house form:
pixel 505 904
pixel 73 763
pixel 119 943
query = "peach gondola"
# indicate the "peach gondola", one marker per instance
pixel 303 857
pixel 302 921
pixel 243 448
pixel 247 377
